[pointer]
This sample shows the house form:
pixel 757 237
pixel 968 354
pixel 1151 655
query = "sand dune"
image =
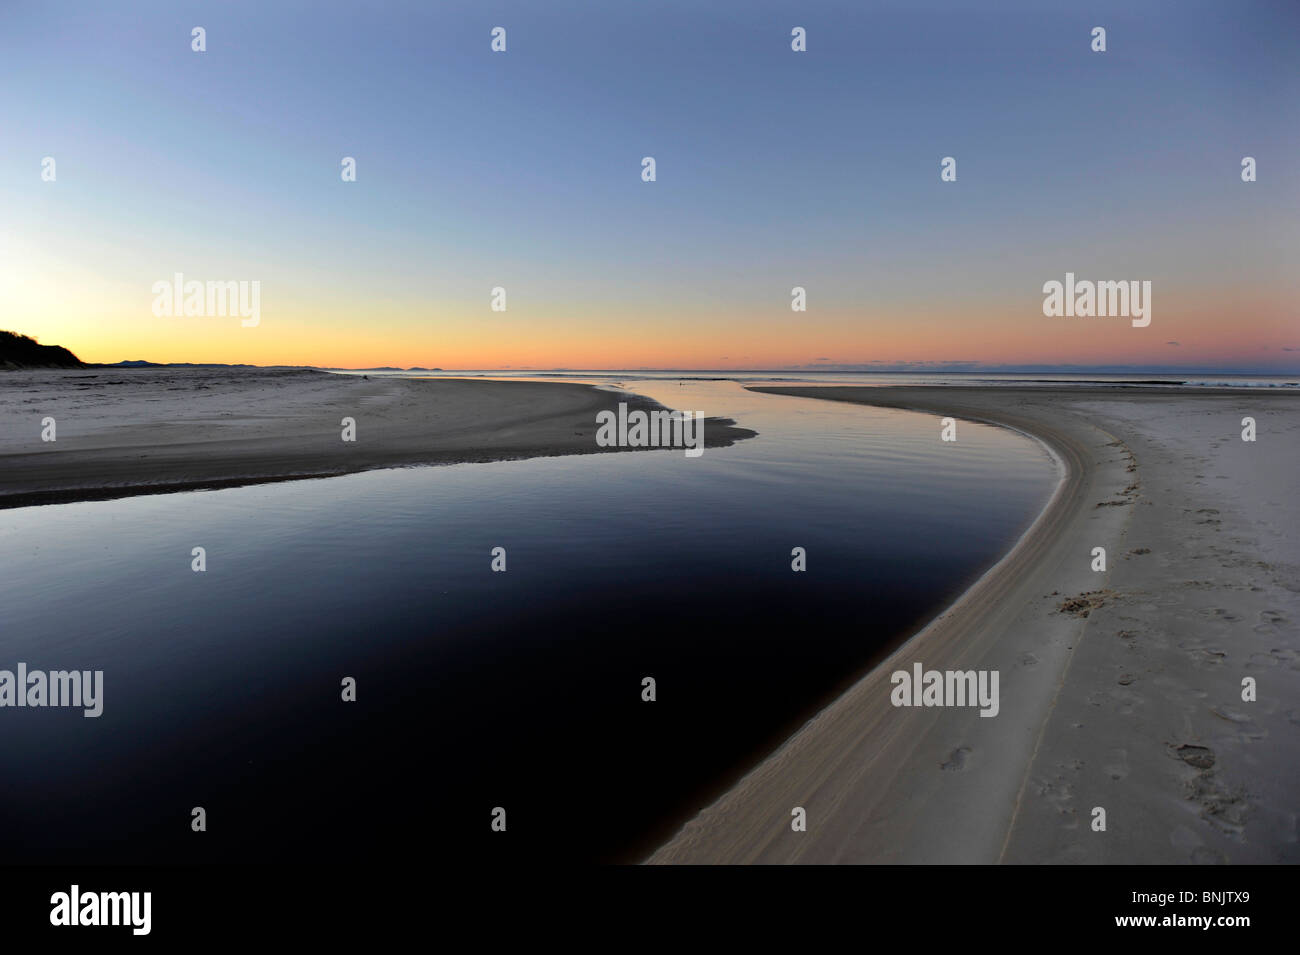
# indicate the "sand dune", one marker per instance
pixel 147 430
pixel 1120 690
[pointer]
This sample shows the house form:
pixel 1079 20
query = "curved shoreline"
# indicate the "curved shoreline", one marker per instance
pixel 916 793
pixel 1121 689
pixel 128 432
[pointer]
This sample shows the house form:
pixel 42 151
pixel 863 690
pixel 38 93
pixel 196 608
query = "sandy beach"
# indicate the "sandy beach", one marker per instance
pixel 151 430
pixel 1120 690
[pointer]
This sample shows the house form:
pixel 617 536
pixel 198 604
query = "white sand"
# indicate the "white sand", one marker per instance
pixel 1094 709
pixel 147 430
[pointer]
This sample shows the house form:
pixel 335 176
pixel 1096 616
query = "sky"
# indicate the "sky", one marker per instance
pixel 774 169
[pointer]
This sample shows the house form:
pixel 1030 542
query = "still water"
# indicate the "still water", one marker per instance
pixel 476 689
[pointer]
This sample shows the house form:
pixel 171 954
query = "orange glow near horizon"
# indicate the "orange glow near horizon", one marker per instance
pixel 99 320
pixel 1234 332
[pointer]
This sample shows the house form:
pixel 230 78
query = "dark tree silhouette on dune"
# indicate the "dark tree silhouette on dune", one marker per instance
pixel 22 351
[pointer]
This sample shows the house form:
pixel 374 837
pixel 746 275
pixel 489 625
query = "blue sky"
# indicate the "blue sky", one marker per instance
pixel 522 169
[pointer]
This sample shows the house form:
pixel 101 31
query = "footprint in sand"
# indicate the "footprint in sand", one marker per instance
pixel 1277 658
pixel 1202 757
pixel 1206 656
pixel 1061 795
pixel 1117 768
pixel 1270 620
pixel 956 760
pixel 1219 613
pixel 1224 806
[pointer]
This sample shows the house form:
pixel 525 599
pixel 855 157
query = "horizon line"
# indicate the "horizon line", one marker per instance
pixel 952 368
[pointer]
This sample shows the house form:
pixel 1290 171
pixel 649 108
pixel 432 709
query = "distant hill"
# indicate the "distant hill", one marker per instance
pixel 21 351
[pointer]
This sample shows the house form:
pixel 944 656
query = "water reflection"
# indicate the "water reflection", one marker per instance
pixel 478 689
